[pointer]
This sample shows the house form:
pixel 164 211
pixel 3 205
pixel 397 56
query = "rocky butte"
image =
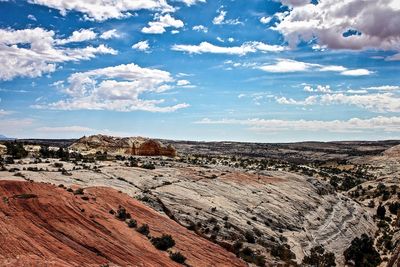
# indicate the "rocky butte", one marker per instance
pixel 127 146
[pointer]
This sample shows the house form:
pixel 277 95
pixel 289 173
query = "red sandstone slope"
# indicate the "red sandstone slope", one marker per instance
pixel 53 227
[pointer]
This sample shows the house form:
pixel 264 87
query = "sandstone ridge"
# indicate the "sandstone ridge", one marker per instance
pixel 45 225
pixel 139 146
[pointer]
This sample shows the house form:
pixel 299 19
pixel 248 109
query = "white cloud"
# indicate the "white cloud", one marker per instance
pixel 394 57
pixel 192 2
pixel 248 47
pixel 318 89
pixel 160 23
pixel 141 46
pixel 78 36
pixel 220 19
pixel 379 102
pixel 356 72
pixel 116 88
pixel 231 40
pixel 200 28
pixel 386 124
pixel 283 65
pixel 265 20
pixel 288 65
pixel 110 34
pixel 375 22
pixel 292 3
pixel 43 54
pixel 384 88
pixel 101 10
pixel 32 17
pixel 183 82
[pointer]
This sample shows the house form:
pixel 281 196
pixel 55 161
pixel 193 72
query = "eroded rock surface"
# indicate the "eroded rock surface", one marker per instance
pixel 226 205
pixel 44 225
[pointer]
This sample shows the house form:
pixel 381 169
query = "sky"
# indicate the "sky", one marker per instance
pixel 207 70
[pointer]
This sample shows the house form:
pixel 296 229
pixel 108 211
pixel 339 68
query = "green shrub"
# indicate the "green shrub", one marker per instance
pixel 177 257
pixel 318 257
pixel 131 223
pixel 362 252
pixel 148 165
pixel 144 229
pixel 79 191
pixel 164 242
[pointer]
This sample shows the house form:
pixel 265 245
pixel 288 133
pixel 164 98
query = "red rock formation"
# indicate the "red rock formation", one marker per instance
pixel 43 225
pixel 123 146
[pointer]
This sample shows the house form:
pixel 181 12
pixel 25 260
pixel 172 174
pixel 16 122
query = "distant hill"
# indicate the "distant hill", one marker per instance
pixel 3 137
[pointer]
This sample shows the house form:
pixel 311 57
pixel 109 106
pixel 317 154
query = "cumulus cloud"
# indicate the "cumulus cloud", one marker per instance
pixel 386 124
pixel 220 19
pixel 41 56
pixel 200 28
pixel 377 102
pixel 318 89
pixel 265 20
pixel 116 88
pixel 245 48
pixel 351 24
pixel 192 2
pixel 78 36
pixel 142 46
pixel 101 10
pixel 161 22
pixel 110 34
pixel 283 65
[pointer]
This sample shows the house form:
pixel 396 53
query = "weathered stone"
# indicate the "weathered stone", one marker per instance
pixel 139 146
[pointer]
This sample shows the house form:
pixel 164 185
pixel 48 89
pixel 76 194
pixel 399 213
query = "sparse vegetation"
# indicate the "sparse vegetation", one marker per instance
pixel 362 252
pixel 319 258
pixel 164 242
pixel 144 229
pixel 177 257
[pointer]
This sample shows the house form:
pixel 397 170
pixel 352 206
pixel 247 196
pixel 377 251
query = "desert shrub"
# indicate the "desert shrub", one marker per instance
pixel 362 252
pixel 148 165
pixel 164 242
pixel 249 256
pixel 237 246
pixel 319 258
pixel 122 214
pixel 177 257
pixel 58 164
pixel 249 237
pixel 380 212
pixel 144 229
pixel 16 150
pixel 131 223
pixel 394 207
pixel 79 191
pixel 283 252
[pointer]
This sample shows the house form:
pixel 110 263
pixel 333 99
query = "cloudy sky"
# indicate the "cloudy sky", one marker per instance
pixel 254 70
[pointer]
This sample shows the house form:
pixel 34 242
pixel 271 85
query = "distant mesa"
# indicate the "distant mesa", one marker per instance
pixel 138 146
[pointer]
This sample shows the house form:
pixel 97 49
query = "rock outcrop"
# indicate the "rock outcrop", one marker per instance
pixel 44 225
pixel 3 150
pixel 139 146
pixel 393 152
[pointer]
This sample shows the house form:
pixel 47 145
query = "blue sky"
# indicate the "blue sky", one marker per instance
pixel 256 70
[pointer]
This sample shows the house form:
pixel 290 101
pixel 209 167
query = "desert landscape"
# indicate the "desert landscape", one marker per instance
pixel 223 204
pixel 199 133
